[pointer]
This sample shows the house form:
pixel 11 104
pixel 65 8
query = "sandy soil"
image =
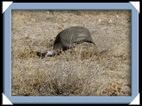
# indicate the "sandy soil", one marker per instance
pixel 80 73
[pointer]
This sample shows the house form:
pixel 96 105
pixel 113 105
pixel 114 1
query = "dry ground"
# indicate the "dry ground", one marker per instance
pixel 76 73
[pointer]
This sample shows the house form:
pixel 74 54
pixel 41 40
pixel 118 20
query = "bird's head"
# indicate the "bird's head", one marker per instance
pixel 49 53
pixel 45 54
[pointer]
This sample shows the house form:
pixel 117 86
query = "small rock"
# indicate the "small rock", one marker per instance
pixel 110 21
pixel 117 16
pixel 47 12
pixel 100 20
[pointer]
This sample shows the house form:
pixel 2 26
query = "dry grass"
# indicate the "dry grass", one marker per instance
pixel 72 73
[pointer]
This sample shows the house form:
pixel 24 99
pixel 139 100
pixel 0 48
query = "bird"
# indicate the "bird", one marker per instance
pixel 68 39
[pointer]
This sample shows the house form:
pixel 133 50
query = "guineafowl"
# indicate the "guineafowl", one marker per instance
pixel 69 38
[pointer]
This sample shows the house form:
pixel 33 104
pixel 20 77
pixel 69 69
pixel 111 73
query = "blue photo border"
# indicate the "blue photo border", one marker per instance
pixel 72 99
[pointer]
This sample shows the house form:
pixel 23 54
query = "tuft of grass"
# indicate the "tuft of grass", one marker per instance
pixel 113 89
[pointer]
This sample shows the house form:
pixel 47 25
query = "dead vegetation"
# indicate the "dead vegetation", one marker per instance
pixel 77 72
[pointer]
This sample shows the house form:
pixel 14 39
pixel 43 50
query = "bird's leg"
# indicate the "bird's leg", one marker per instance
pixel 71 50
